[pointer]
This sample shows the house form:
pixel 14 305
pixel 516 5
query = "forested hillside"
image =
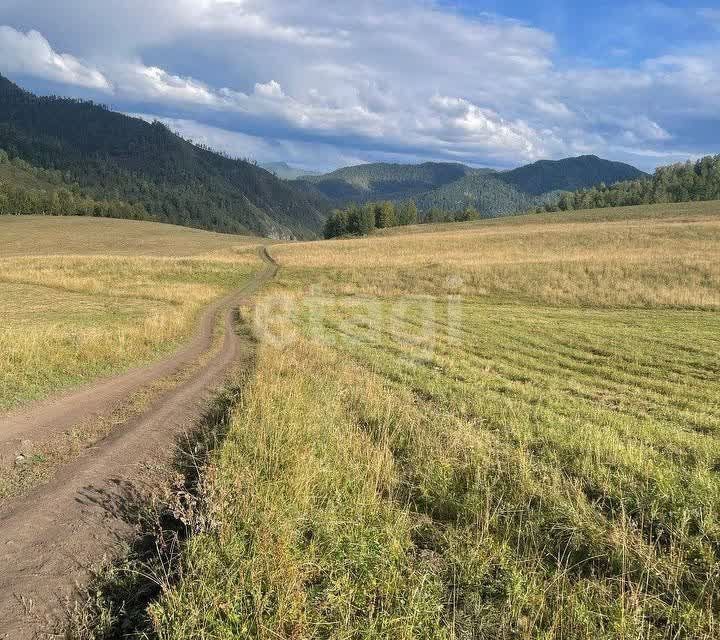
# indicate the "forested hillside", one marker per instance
pixel 28 190
pixel 688 182
pixel 385 181
pixel 115 157
pixel 568 175
pixel 486 193
pixel 452 188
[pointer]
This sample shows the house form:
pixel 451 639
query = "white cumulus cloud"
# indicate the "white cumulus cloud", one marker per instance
pixel 270 89
pixel 377 78
pixel 153 83
pixel 31 54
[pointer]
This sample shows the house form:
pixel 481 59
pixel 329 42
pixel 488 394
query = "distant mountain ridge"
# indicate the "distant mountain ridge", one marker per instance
pixel 454 186
pixel 287 172
pixel 114 156
pixel 484 192
pixel 386 181
pixel 120 165
pixel 569 174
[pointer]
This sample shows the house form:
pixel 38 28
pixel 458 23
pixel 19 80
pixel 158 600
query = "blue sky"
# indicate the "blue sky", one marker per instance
pixel 324 84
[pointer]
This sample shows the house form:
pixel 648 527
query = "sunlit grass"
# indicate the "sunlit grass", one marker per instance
pixel 505 430
pixel 670 260
pixel 68 318
pixel 51 235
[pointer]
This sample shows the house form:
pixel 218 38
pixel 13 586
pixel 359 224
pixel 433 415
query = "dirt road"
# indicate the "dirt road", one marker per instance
pixel 50 538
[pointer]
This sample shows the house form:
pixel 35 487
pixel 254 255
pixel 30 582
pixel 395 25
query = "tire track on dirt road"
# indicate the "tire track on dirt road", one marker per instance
pixel 51 537
pixel 41 420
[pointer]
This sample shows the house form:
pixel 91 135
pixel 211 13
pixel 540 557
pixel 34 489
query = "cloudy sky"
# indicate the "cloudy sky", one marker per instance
pixel 322 84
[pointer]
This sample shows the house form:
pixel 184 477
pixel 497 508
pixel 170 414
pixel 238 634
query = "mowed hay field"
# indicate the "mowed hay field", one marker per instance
pixel 507 429
pixel 85 297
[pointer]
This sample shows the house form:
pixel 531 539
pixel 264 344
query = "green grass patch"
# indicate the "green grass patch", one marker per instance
pixel 477 460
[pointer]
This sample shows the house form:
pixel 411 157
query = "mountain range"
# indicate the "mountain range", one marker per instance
pixel 287 172
pixel 113 156
pixel 120 165
pixel 454 186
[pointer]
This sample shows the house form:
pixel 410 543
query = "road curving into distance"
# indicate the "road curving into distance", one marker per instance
pixel 51 537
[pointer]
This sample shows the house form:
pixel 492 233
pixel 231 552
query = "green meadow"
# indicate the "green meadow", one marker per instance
pixel 503 429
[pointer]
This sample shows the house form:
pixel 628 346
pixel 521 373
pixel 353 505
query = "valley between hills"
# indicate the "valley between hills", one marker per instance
pixel 401 401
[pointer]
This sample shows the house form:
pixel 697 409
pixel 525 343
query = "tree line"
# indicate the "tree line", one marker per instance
pixel 683 182
pixel 362 219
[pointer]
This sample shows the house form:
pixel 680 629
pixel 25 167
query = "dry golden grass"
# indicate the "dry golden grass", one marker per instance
pixel 84 297
pixel 49 235
pixel 657 257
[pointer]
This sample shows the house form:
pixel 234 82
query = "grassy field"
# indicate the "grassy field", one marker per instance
pixel 507 429
pixel 85 297
pixel 599 258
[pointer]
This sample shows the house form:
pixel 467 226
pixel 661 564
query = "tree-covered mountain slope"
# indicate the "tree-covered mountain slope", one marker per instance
pixel 453 187
pixel 386 181
pixel 29 190
pixel 484 192
pixel 569 174
pixel 681 182
pixel 112 156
